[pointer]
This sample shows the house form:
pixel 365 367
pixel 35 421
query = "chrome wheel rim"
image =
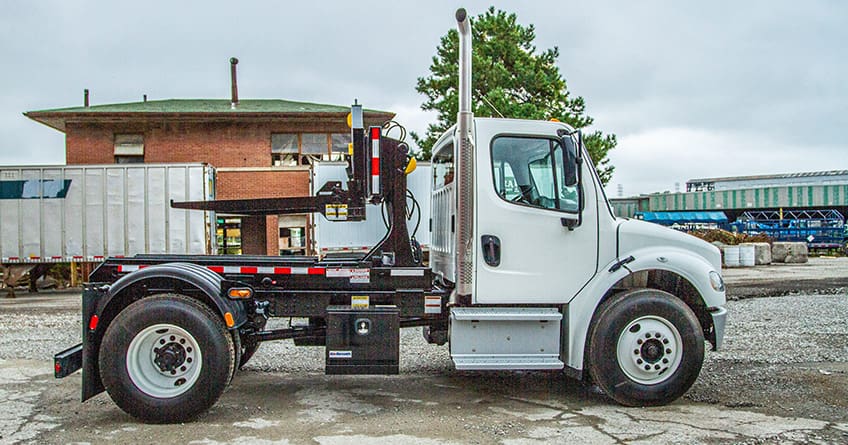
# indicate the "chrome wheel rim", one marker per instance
pixel 649 350
pixel 164 361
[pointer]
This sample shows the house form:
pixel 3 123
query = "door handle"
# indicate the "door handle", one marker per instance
pixel 491 250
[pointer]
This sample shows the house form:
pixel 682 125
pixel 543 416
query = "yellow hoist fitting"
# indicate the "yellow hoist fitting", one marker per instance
pixel 410 166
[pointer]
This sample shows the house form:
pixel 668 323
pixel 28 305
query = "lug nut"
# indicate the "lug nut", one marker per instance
pixel 665 361
pixel 647 367
pixel 639 341
pixel 657 367
pixel 668 351
pixel 638 361
pixel 665 341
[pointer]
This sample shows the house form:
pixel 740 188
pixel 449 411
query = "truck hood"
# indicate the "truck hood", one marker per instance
pixel 634 234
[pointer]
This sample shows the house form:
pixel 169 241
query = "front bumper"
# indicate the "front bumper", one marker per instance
pixel 719 315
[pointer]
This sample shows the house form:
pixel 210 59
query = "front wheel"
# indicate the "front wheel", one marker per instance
pixel 646 348
pixel 166 358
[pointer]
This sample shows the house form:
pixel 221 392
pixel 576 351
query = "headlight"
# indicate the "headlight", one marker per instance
pixel 716 281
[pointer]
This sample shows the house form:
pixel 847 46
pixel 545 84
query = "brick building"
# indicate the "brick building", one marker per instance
pixel 261 149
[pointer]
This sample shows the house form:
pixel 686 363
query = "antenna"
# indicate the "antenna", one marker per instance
pixel 493 107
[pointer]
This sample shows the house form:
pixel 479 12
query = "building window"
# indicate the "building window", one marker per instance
pixel 304 148
pixel 228 231
pixel 293 238
pixel 285 149
pixel 129 148
pixel 339 146
pixel 314 144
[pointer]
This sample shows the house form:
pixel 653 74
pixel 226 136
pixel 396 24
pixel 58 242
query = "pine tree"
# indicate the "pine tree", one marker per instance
pixel 510 78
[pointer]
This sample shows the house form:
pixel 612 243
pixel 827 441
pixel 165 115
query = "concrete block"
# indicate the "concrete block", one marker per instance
pixel 789 252
pixel 762 253
pixel 721 247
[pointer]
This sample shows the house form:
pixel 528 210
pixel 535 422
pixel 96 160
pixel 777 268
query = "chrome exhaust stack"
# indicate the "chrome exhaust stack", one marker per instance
pixel 464 159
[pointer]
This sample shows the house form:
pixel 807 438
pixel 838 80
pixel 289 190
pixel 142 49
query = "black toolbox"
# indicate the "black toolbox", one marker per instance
pixel 362 340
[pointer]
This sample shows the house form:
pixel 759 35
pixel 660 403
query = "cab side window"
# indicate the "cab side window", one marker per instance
pixel 529 171
pixel 443 170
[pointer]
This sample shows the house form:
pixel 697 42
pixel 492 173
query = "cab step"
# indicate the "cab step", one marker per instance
pixel 507 338
pixel 507 362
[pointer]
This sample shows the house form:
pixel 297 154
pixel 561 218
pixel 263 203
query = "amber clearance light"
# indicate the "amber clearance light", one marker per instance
pixel 240 293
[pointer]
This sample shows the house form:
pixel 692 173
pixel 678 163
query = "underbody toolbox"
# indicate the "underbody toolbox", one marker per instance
pixel 362 340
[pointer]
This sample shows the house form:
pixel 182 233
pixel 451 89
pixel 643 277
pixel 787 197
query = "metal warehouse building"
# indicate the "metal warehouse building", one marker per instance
pixel 735 195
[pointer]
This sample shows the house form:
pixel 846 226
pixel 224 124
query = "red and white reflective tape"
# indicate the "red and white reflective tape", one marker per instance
pixel 432 304
pixel 245 270
pixel 407 272
pixel 375 160
pixel 51 259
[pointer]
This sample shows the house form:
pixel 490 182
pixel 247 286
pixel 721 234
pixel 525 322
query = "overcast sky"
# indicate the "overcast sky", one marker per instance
pixel 691 89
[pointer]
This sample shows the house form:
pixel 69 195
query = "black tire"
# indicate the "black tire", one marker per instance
pixel 621 326
pixel 132 336
pixel 238 348
pixel 248 348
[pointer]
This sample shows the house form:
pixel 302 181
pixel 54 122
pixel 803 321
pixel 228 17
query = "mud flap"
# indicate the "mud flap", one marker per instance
pixel 91 384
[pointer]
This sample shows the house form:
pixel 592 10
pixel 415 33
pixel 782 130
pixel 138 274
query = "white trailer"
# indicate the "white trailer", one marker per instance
pixel 332 236
pixel 85 213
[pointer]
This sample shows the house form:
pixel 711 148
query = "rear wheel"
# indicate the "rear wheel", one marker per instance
pixel 166 358
pixel 646 347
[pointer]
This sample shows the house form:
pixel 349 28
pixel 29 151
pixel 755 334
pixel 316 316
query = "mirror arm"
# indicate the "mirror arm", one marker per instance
pixel 580 199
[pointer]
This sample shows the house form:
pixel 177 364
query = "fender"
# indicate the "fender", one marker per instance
pixel 192 275
pixel 582 307
pixel 98 299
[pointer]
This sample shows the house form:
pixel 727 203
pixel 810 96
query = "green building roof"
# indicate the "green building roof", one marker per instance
pixel 200 108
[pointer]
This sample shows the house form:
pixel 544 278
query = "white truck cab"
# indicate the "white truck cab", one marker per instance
pixel 630 296
pixel 544 276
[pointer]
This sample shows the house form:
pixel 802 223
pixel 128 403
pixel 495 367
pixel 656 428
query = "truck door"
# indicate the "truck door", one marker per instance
pixel 525 252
